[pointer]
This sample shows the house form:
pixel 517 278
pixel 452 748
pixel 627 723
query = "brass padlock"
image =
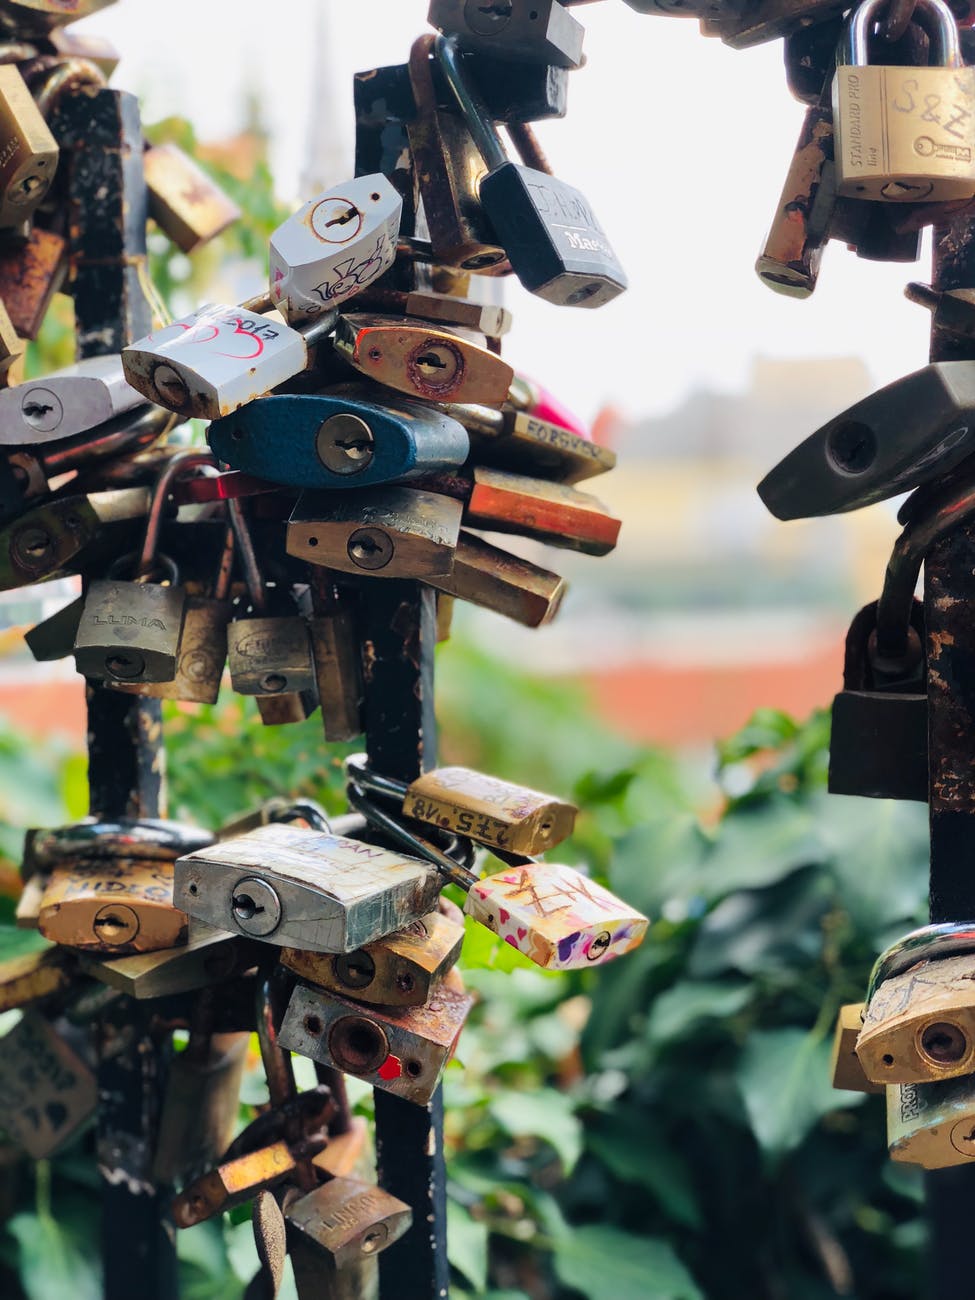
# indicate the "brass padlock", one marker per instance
pixel 305 889
pixel 208 956
pixel 47 1091
pixel 904 134
pixel 932 1124
pixel 335 1234
pixel 488 576
pixel 113 905
pixel 202 643
pixel 486 809
pixel 519 441
pixel 387 532
pixel 35 976
pixel 435 364
pixel 404 1053
pixel 846 1071
pixel 233 1183
pixel 29 157
pixel 401 970
pixel 188 205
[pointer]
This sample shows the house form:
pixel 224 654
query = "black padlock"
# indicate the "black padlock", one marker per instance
pixel 555 245
pixel 879 742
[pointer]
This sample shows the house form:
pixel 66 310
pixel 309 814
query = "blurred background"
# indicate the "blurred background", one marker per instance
pixel 664 1129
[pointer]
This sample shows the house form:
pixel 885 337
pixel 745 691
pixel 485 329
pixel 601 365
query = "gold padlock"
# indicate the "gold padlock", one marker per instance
pixel 187 205
pixel 113 905
pixel 904 134
pixel 932 1124
pixel 920 1025
pixel 29 154
pixel 846 1070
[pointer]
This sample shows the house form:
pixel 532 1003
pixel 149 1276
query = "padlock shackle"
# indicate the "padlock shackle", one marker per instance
pixel 174 468
pixel 416 844
pixel 942 515
pixel 474 111
pixel 357 769
pixel 929 943
pixel 940 26
pixel 248 556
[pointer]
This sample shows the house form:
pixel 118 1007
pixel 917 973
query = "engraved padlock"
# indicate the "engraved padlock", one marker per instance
pixel 904 135
pixel 47 1089
pixel 335 245
pixel 130 630
pixel 29 156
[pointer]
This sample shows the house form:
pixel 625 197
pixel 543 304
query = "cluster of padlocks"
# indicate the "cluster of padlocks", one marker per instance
pixel 363 428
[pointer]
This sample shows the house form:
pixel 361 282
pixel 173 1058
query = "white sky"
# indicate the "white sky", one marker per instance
pixel 680 145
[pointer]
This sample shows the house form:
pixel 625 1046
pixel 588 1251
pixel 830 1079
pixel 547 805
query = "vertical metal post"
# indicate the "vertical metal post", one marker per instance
pixel 949 602
pixel 101 139
pixel 398 629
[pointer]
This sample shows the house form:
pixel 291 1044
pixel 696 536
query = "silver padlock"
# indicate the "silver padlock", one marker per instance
pixel 334 246
pixel 66 402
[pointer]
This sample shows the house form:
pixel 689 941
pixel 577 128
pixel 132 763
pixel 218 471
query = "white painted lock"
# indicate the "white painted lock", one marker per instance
pixel 334 246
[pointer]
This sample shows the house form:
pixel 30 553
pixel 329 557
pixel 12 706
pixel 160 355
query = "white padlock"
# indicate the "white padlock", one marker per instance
pixel 334 246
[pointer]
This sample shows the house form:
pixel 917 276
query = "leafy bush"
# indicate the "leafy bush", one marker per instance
pixel 662 1129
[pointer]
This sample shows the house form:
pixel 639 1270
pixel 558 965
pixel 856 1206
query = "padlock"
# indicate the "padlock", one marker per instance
pixel 53 638
pixel 217 359
pixel 401 970
pixel 47 1090
pixel 307 440
pixel 130 630
pixel 35 976
pixel 879 737
pixel 495 579
pixel 13 352
pixel 446 171
pixel 904 434
pixel 492 812
pixel 809 54
pixel 932 1124
pixel 233 1183
pixel 112 905
pixel 386 532
pixel 43 541
pixel 66 402
pixel 489 319
pixel 335 245
pixel 40 17
pixel 201 1100
pixel 305 889
pixel 543 32
pixel 553 513
pixel 553 914
pixel 28 910
pixel 338 669
pixel 335 1235
pixel 555 244
pixel 436 365
pixel 904 134
pixel 404 1053
pixel 519 441
pixel 203 641
pixel 557 917
pixel 84 45
pixel 147 838
pixel 846 1071
pixel 31 273
pixel 188 205
pixel 742 25
pixel 208 956
pixel 29 157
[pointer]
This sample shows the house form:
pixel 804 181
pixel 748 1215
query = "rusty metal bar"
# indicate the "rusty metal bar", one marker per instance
pixel 949 599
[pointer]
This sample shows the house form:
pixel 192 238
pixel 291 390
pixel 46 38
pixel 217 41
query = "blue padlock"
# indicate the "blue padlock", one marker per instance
pixel 323 441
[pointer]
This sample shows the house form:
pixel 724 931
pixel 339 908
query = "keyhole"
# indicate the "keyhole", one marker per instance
pixel 499 9
pixel 343 218
pixel 36 410
pixel 851 447
pixel 431 361
pixel 245 907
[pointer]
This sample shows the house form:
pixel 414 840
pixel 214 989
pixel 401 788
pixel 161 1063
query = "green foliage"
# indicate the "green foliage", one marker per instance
pixel 663 1127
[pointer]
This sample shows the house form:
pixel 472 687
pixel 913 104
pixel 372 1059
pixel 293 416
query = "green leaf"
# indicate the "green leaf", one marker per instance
pixel 545 1114
pixel 760 846
pixel 467 1245
pixel 680 1009
pixel 635 1151
pixel 50 1263
pixel 785 1081
pixel 605 1263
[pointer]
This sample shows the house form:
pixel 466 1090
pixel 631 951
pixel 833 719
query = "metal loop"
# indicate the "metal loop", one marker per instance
pixel 127 562
pixel 357 769
pixel 149 839
pixel 410 841
pixel 306 810
pixel 181 462
pixel 933 15
pixel 472 107
pixel 68 76
pixel 929 943
pixel 248 556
